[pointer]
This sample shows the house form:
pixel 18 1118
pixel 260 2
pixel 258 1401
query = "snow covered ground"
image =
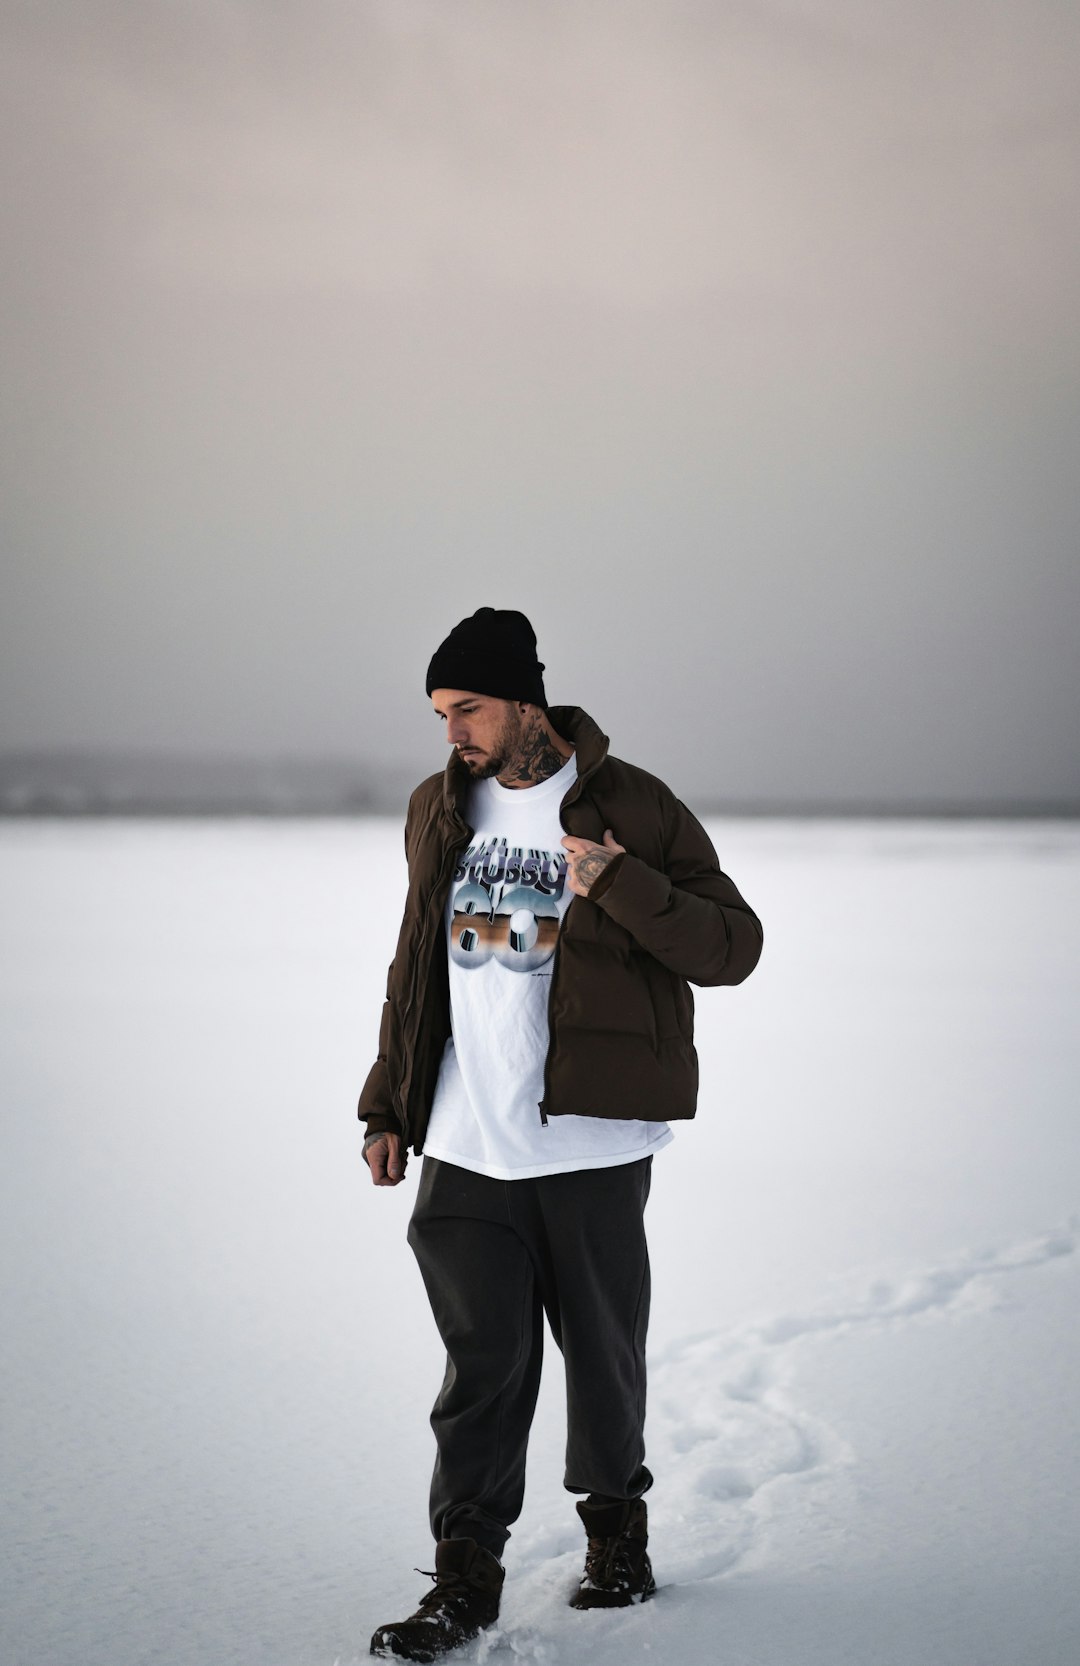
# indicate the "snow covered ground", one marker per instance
pixel 865 1354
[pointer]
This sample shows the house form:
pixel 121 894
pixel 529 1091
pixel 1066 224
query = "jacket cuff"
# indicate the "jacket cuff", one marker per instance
pixel 379 1123
pixel 601 883
pixel 630 891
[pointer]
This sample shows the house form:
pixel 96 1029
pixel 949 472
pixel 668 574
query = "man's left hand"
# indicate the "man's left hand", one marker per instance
pixel 587 860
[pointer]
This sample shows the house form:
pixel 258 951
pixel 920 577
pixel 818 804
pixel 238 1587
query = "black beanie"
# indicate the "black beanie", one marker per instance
pixel 492 652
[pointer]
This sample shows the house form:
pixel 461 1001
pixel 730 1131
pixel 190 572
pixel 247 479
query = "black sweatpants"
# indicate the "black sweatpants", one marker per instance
pixel 496 1255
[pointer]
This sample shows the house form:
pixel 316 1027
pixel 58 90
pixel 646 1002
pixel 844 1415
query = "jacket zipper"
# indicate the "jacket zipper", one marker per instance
pixel 542 1107
pixel 571 797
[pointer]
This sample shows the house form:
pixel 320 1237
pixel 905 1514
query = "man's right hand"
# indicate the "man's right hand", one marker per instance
pixel 386 1160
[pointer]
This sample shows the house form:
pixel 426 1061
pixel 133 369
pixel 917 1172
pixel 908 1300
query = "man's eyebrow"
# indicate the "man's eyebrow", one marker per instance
pixel 467 700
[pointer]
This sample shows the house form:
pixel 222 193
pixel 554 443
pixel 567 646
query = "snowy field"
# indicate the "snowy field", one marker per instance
pixel 218 1360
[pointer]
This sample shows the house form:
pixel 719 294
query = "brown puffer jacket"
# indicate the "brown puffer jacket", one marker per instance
pixel 621 1015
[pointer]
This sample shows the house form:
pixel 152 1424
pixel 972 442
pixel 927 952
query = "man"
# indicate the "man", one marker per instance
pixel 535 1042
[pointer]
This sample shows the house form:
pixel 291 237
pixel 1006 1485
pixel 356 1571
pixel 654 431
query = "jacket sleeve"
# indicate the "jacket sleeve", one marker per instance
pixel 690 916
pixel 376 1106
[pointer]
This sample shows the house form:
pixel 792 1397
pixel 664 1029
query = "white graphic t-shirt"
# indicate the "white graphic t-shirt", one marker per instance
pixel 507 901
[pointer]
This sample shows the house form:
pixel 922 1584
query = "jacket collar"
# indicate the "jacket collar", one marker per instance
pixel 588 740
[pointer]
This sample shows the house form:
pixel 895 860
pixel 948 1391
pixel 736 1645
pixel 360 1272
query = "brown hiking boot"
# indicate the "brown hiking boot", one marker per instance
pixel 617 1567
pixel 464 1601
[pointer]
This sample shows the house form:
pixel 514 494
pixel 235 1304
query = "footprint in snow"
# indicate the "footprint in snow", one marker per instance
pixel 727 1439
pixel 724 1433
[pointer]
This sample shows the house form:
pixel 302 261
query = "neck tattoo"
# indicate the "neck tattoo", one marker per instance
pixel 537 761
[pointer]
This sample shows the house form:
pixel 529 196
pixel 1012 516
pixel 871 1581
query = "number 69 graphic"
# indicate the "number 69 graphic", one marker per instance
pixel 520 932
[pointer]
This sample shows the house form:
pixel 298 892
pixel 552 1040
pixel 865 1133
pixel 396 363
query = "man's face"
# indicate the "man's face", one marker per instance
pixel 486 732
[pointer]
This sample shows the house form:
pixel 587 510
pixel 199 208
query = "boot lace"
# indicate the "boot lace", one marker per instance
pixel 607 1563
pixel 449 1591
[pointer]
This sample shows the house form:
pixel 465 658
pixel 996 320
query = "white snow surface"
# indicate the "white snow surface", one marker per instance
pixel 864 1388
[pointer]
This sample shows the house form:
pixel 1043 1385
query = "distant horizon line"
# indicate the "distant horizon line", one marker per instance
pixel 44 808
pixel 65 783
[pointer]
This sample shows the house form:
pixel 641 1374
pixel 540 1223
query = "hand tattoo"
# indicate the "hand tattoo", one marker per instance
pixel 588 868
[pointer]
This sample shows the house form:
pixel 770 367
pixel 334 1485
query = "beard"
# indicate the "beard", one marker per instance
pixel 504 749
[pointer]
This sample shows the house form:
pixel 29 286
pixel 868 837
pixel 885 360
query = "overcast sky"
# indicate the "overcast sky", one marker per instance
pixel 735 343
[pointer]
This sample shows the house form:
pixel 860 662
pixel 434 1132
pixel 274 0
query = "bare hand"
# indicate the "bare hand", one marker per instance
pixel 587 860
pixel 386 1161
